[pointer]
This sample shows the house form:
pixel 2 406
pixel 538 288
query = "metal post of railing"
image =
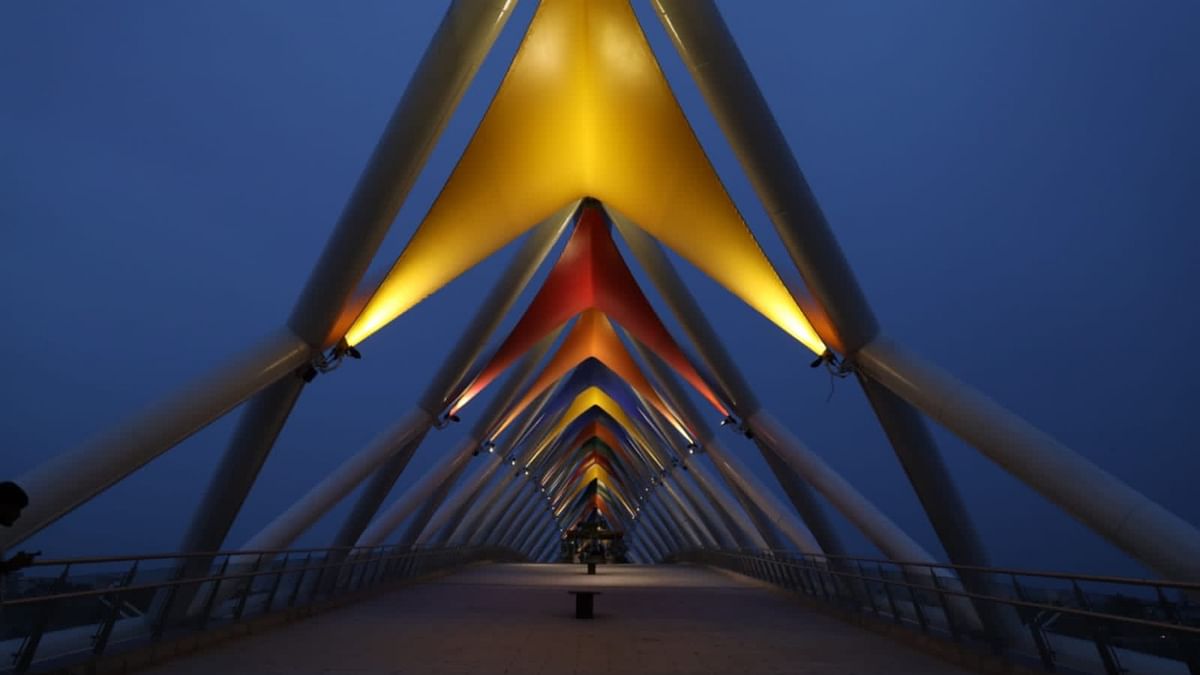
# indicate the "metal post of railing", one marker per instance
pixel 24 656
pixel 347 566
pixel 887 591
pixel 945 606
pixel 164 615
pixel 867 587
pixel 916 601
pixel 1039 638
pixel 278 579
pixel 376 572
pixel 800 564
pixel 1107 656
pixel 374 560
pixel 104 630
pixel 1185 647
pixel 247 587
pixel 212 596
pixel 803 583
pixel 781 570
pixel 299 581
pixel 316 586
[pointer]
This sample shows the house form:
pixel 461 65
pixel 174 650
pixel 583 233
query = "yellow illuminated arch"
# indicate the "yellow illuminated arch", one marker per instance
pixel 584 110
pixel 591 397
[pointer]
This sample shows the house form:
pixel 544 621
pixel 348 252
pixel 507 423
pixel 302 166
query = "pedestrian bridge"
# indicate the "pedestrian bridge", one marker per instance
pixel 490 610
pixel 596 431
pixel 518 618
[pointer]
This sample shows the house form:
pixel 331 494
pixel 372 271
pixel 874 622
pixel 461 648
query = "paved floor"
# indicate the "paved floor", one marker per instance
pixel 519 619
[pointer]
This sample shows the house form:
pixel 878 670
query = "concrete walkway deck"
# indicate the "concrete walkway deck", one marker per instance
pixel 520 619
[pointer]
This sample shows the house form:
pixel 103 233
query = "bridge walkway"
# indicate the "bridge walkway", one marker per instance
pixel 518 618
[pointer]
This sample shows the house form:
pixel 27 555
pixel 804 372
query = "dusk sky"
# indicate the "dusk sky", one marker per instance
pixel 1015 183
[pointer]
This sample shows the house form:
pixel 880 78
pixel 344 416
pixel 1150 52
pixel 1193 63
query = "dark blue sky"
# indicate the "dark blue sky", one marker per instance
pixel 1016 184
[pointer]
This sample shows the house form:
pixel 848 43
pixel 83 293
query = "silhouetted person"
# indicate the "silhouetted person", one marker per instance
pixel 12 500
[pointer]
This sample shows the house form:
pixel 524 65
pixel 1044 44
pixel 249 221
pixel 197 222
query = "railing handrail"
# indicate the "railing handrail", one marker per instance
pixel 1015 602
pixel 232 576
pixel 926 603
pixel 96 560
pixel 1007 571
pixel 224 596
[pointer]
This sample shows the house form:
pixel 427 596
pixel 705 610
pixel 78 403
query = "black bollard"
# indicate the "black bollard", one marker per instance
pixel 583 603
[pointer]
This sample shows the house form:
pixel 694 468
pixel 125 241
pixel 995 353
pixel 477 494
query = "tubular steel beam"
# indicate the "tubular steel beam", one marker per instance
pixel 62 483
pixel 444 385
pixel 462 531
pixel 727 376
pixel 414 497
pixel 453 509
pixel 707 509
pixel 737 520
pixel 718 67
pixel 301 515
pixel 458 47
pixel 499 512
pixel 1161 540
pixel 730 468
pixel 526 500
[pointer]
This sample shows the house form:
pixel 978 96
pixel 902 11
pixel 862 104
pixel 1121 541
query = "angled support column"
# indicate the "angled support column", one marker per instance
pixel 551 552
pixel 539 544
pixel 441 529
pixel 62 483
pixel 778 515
pixel 652 541
pixel 380 528
pixel 691 515
pixel 1158 538
pixel 459 532
pixel 728 378
pixel 530 504
pixel 421 519
pixel 524 539
pixel 679 536
pixel 300 516
pixel 737 520
pixel 446 383
pixel 869 520
pixel 536 522
pixel 802 497
pixel 673 538
pixel 650 535
pixel 462 531
pixel 669 524
pixel 707 511
pixel 487 524
pixel 730 468
pixel 442 476
pixel 506 525
pixel 463 38
pixel 451 510
pixel 717 65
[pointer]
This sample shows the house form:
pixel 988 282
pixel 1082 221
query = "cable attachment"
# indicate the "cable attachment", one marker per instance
pixel 837 369
pixel 329 361
pixel 445 420
pixel 746 430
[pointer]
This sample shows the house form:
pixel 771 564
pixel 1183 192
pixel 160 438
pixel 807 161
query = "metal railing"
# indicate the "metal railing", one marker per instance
pixel 1064 622
pixel 63 612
